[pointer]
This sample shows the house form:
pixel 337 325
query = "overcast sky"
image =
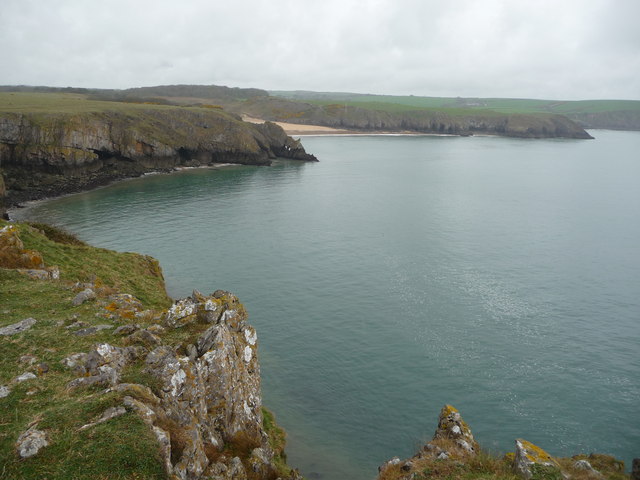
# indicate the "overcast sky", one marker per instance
pixel 552 49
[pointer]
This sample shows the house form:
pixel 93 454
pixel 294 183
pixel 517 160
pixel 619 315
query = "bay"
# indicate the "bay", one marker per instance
pixel 402 273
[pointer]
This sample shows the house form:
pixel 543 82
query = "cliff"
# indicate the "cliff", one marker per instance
pixel 382 117
pixel 52 144
pixel 98 383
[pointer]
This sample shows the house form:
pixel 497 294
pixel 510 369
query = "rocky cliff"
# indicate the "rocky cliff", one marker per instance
pixel 134 390
pixel 443 121
pixel 47 153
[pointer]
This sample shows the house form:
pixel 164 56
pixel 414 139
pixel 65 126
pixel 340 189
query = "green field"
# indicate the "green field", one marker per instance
pixel 392 103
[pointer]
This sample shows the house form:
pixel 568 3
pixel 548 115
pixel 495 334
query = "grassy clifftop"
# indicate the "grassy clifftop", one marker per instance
pixel 43 384
pixel 55 143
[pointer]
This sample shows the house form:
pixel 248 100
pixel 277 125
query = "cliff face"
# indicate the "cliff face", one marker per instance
pixel 536 125
pixel 53 153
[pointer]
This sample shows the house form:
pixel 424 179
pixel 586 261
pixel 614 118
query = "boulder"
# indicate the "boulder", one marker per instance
pixel 451 426
pixel 83 296
pixel 532 462
pixel 19 327
pixel 31 442
pixel 4 391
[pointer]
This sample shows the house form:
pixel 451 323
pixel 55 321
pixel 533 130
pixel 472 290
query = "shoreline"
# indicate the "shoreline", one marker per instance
pixel 307 130
pixel 27 204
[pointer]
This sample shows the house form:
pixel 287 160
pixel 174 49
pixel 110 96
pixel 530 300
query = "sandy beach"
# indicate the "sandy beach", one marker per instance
pixel 299 129
pixel 303 129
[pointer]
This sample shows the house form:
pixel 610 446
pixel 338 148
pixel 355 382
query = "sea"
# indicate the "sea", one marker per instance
pixel 402 273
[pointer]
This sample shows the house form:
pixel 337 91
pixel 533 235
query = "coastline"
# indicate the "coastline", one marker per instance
pixel 307 130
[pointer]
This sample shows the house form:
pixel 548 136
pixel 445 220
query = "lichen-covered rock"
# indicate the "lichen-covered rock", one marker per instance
pixel 13 254
pixel 532 462
pixel 207 392
pixel 83 296
pixel 452 426
pixel 4 391
pixel 19 327
pixel 103 365
pixel 31 442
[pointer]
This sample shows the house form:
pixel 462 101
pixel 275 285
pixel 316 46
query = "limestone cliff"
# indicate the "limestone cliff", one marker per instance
pixel 95 374
pixel 445 121
pixel 55 152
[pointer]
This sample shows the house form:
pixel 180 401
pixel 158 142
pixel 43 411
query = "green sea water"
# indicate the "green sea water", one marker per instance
pixel 402 273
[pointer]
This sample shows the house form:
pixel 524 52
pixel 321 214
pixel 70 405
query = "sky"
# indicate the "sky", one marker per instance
pixel 547 49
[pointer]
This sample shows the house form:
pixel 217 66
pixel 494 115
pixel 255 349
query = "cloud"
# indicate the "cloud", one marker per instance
pixel 541 49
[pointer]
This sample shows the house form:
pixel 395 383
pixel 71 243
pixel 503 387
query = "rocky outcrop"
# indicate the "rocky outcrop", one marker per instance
pixel 531 461
pixel 54 153
pixel 454 453
pixel 205 407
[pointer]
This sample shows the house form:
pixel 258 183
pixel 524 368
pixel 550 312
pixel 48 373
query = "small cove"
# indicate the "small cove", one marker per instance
pixel 402 273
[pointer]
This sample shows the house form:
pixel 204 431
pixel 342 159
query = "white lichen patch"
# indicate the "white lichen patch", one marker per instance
pixel 177 381
pixel 24 377
pixel 248 354
pixel 251 336
pixel 227 315
pixel 104 350
pixel 210 306
pixel 180 309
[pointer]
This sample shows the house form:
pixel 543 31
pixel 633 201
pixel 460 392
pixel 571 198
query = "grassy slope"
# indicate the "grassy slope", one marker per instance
pixel 123 448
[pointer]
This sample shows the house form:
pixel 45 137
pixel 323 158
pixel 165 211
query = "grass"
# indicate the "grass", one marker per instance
pixel 74 103
pixel 400 103
pixel 123 448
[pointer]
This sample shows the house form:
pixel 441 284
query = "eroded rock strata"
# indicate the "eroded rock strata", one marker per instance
pixel 50 154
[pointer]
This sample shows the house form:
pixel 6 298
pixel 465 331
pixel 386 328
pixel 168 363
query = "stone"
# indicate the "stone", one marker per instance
pixel 123 306
pixel 452 426
pixel 181 313
pixel 28 359
pixel 531 460
pixel 92 330
pixel 83 296
pixel 31 442
pixel 107 415
pixel 19 327
pixel 143 337
pixel 75 361
pixel 103 380
pixel 126 329
pixel 156 329
pixel 582 465
pixel 77 324
pixel 24 377
pixel 104 365
pixel 389 463
pixel 4 391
